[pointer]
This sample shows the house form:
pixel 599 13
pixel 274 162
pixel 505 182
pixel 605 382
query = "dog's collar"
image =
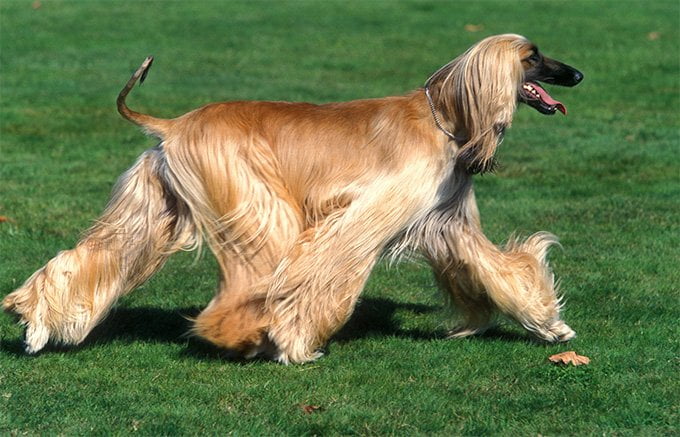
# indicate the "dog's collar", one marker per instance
pixel 435 116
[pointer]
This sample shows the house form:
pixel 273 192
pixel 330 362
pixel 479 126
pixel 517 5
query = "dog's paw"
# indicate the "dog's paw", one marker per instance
pixel 563 331
pixel 558 331
pixel 284 358
pixel 36 338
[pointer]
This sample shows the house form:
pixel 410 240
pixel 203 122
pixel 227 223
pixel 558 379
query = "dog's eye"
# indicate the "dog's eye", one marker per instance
pixel 535 57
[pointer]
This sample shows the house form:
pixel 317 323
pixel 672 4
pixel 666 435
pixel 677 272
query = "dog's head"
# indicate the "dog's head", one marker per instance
pixel 539 68
pixel 477 93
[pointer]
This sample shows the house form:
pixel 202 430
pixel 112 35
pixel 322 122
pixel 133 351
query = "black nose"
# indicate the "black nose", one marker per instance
pixel 578 77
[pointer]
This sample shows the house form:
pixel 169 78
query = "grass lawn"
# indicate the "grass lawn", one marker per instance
pixel 605 179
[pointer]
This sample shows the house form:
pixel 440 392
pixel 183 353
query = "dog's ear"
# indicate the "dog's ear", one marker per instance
pixel 478 93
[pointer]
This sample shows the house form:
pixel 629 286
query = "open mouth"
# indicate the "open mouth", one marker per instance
pixel 535 96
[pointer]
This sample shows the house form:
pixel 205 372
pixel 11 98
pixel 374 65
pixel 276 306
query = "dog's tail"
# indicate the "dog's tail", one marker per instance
pixel 154 126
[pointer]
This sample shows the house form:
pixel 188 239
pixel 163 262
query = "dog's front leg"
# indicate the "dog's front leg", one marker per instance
pixel 481 277
pixel 316 286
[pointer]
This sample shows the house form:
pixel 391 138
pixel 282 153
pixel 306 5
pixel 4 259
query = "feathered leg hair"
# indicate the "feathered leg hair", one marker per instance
pixel 480 279
pixel 142 225
pixel 316 287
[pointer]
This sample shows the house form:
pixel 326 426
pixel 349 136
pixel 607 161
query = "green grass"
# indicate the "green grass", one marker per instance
pixel 605 179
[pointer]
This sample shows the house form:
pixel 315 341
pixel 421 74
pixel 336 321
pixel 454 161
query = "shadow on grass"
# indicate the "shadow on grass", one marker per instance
pixel 373 317
pixel 499 333
pixel 128 325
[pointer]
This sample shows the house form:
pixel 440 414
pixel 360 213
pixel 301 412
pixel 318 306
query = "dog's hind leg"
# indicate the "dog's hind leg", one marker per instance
pixel 141 226
pixel 237 318
pixel 250 222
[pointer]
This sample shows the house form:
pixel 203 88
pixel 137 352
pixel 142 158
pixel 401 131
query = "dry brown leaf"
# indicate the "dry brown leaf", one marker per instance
pixel 474 27
pixel 36 4
pixel 569 357
pixel 309 409
pixel 5 219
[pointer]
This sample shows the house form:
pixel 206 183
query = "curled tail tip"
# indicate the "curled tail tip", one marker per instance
pixel 145 67
pixel 152 125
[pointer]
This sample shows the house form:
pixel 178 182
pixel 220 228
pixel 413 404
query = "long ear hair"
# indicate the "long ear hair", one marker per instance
pixel 477 95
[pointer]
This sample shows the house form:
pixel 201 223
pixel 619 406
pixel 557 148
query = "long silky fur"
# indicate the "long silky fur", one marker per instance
pixel 480 107
pixel 298 202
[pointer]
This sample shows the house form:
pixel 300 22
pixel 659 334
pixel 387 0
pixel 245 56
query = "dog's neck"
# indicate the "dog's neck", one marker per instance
pixel 436 117
pixel 462 138
pixel 458 138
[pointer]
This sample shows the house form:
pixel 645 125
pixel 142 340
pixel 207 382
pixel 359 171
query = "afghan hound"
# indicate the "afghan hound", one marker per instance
pixel 299 201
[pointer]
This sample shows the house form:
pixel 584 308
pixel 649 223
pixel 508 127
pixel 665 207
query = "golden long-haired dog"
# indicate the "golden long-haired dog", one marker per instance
pixel 298 202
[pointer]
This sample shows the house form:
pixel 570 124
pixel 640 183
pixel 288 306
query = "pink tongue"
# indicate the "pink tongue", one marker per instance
pixel 545 97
